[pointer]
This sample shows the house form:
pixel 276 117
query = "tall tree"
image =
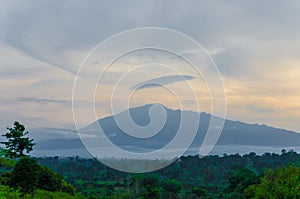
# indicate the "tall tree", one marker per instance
pixel 16 142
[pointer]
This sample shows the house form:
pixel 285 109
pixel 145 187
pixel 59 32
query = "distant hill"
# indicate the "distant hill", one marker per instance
pixel 236 137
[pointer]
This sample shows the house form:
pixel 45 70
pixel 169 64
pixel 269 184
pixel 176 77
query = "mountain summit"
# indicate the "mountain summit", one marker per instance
pixel 236 137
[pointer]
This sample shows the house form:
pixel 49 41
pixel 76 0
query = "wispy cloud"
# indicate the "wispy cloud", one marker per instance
pixel 46 82
pixel 44 100
pixel 161 81
pixel 41 40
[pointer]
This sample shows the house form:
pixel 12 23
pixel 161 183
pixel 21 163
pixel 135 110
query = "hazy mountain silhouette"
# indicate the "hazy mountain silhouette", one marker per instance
pixel 235 135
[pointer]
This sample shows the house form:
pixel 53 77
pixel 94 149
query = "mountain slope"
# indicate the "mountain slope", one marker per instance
pixel 236 137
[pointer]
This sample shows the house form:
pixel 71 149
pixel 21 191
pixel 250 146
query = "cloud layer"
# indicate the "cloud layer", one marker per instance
pixel 255 44
pixel 161 81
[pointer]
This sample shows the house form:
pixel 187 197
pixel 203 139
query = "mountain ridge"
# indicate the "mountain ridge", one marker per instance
pixel 234 133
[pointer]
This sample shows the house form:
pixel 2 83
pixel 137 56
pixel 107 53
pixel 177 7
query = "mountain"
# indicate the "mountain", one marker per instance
pixel 236 137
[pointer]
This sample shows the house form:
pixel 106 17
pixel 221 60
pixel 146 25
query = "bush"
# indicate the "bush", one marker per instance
pixel 28 175
pixel 25 175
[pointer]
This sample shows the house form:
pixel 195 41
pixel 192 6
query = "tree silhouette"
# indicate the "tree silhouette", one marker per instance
pixel 17 142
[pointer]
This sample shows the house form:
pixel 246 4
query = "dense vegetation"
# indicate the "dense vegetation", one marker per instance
pixel 227 176
pixel 22 176
pixel 267 176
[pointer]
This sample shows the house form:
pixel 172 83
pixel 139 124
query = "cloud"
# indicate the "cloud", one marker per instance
pixel 248 41
pixel 67 103
pixel 44 100
pixel 46 30
pixel 161 81
pixel 47 82
pixel 260 109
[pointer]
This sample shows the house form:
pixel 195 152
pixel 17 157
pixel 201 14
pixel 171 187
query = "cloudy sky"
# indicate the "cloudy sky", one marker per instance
pixel 255 45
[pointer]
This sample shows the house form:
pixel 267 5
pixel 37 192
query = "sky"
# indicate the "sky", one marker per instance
pixel 255 45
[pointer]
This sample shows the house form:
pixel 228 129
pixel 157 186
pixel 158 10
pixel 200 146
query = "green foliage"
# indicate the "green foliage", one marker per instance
pixel 200 192
pixel 5 178
pixel 118 195
pixel 151 180
pixel 239 178
pixel 171 188
pixel 211 177
pixel 2 152
pixel 7 163
pixel 151 187
pixel 28 175
pixel 151 193
pixel 17 142
pixel 137 179
pixel 25 175
pixel 109 189
pixel 67 188
pixel 52 181
pixel 9 193
pixel 283 183
pixel 49 180
pixel 54 195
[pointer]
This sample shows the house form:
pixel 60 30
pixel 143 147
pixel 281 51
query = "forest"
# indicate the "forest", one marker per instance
pixel 233 176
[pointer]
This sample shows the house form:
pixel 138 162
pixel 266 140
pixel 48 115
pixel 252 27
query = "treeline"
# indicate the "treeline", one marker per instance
pixel 228 176
pixel 267 176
